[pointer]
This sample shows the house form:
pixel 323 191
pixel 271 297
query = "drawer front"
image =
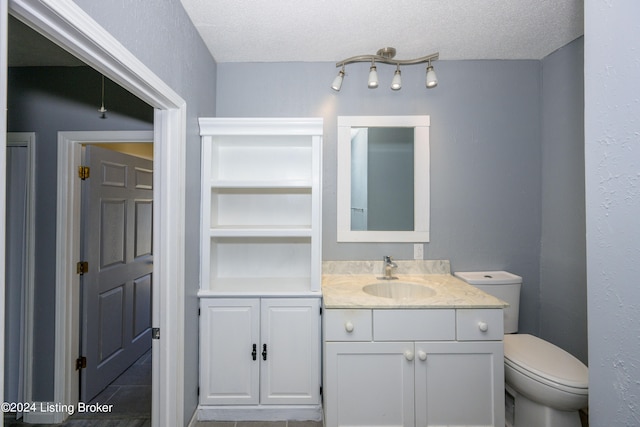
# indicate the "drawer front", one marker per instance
pixel 414 325
pixel 479 325
pixel 347 325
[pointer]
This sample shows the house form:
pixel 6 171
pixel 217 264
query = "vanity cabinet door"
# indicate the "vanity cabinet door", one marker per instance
pixel 260 351
pixel 290 370
pixel 228 373
pixel 459 383
pixel 369 384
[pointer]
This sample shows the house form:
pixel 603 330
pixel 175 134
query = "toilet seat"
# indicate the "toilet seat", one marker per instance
pixel 546 363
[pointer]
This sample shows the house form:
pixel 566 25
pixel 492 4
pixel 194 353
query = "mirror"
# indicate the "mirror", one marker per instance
pixel 383 179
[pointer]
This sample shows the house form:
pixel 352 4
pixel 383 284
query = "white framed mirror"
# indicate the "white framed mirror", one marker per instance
pixel 383 179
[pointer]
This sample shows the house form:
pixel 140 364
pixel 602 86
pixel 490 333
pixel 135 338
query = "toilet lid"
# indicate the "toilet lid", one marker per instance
pixel 545 360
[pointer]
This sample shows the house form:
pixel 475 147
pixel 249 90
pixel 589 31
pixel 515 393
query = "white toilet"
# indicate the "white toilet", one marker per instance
pixel 546 386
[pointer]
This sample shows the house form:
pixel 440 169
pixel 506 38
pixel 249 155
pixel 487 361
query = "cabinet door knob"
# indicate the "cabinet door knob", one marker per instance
pixel 422 355
pixel 348 326
pixel 483 326
pixel 409 355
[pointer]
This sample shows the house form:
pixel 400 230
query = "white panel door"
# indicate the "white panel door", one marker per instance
pixel 117 240
pixel 229 351
pixel 290 371
pixel 369 384
pixel 459 384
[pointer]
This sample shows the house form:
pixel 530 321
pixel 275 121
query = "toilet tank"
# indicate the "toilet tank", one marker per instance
pixel 500 284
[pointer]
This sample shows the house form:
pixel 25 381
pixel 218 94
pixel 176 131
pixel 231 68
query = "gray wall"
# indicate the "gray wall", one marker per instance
pixel 160 34
pixel 485 153
pixel 46 100
pixel 612 170
pixel 563 269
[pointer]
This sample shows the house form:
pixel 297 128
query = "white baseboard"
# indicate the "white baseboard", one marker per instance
pixel 260 413
pixel 194 419
pixel 47 413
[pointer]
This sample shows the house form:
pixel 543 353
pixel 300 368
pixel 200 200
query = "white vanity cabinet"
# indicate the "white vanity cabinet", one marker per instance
pixel 413 367
pixel 260 339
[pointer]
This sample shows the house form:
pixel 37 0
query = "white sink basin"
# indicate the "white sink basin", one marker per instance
pixel 398 290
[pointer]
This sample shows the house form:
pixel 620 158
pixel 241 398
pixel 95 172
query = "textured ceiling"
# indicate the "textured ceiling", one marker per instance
pixel 331 30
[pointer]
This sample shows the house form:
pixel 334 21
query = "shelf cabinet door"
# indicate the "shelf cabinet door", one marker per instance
pixel 290 329
pixel 459 383
pixel 369 384
pixel 229 328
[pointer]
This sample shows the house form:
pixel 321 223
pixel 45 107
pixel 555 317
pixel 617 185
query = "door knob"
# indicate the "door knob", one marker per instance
pixel 348 326
pixel 422 355
pixel 409 355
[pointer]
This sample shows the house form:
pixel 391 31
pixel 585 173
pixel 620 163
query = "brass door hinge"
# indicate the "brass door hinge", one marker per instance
pixel 81 363
pixel 82 267
pixel 83 172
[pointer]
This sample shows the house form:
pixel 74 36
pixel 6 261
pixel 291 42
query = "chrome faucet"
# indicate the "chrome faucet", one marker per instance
pixel 389 265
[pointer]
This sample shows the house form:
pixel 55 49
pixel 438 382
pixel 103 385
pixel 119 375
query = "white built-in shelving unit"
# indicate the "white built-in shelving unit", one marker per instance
pixel 261 194
pixel 260 269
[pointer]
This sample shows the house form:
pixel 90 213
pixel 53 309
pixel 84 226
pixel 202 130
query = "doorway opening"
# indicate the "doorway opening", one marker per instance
pixel 116 234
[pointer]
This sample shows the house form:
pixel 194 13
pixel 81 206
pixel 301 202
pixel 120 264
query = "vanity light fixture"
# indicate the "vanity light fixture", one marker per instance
pixel 386 56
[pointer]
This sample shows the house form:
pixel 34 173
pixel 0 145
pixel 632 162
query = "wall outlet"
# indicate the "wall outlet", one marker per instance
pixel 418 251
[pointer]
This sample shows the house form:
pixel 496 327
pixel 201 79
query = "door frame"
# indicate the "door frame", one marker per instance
pixel 68 229
pixel 4 17
pixel 28 140
pixel 69 26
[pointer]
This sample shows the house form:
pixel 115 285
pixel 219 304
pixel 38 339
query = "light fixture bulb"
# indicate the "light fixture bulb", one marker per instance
pixel 102 110
pixel 396 83
pixel 432 79
pixel 373 76
pixel 337 82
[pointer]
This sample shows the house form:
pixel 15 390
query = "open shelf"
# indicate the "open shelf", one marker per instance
pixel 270 158
pixel 263 286
pixel 264 231
pixel 261 207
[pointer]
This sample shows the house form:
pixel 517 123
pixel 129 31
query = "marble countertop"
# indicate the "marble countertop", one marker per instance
pixel 342 284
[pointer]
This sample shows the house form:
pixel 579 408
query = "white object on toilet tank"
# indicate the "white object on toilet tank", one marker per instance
pixel 500 284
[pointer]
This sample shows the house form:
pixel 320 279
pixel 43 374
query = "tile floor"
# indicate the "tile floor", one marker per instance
pixel 259 424
pixel 130 395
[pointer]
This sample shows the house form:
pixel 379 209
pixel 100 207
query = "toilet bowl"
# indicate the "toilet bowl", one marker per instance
pixel 548 385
